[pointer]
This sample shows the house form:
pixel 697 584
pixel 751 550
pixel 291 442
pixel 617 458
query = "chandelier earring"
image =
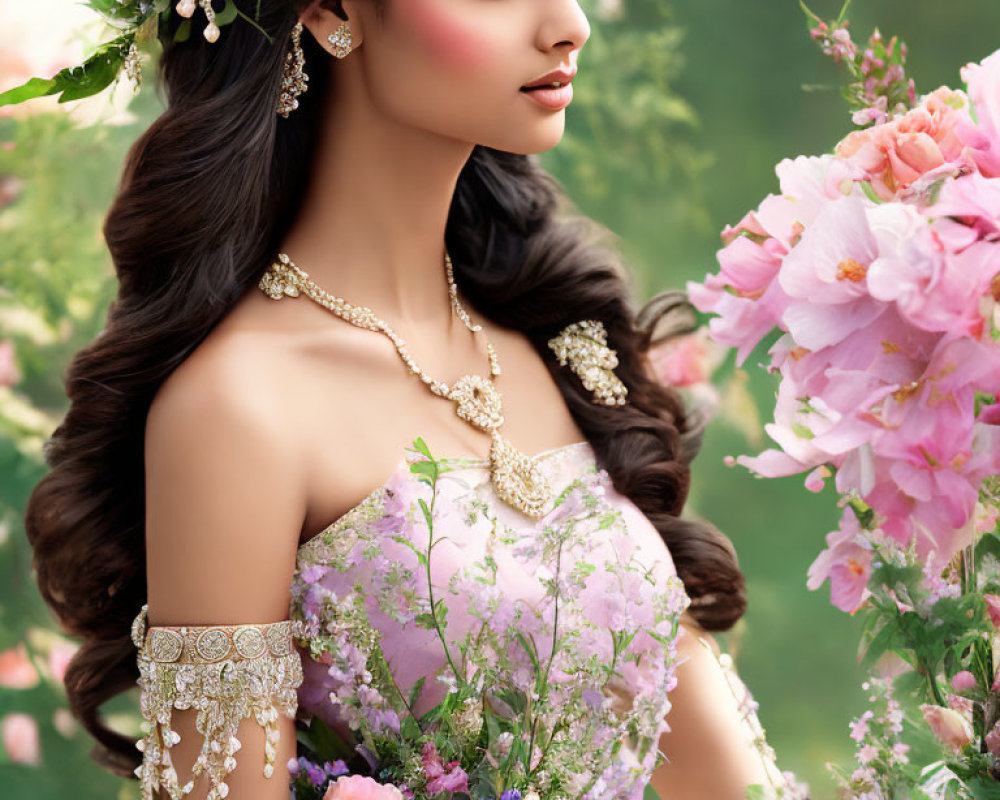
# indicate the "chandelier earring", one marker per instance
pixel 294 78
pixel 341 40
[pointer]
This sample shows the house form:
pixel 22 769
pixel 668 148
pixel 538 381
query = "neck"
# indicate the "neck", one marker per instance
pixel 372 224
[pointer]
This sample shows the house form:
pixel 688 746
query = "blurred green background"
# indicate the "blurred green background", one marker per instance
pixel 683 108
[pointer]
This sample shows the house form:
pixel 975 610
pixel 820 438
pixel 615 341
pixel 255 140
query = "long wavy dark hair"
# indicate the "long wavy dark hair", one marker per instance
pixel 206 194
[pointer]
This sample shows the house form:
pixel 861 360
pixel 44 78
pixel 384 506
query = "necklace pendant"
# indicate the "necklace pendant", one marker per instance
pixel 281 278
pixel 478 402
pixel 517 478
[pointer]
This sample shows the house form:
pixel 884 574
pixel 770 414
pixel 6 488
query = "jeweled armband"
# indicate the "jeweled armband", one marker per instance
pixel 227 673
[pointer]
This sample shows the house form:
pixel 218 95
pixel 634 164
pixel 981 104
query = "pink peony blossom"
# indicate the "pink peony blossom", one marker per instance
pixel 948 725
pixel 19 733
pixel 359 787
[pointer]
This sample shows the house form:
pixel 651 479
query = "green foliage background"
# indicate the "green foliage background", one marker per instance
pixel 683 107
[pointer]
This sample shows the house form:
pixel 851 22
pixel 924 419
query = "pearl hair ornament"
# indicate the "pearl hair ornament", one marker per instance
pixel 140 21
pixel 186 9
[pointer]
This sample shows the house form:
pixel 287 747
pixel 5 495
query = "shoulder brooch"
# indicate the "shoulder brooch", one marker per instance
pixel 584 347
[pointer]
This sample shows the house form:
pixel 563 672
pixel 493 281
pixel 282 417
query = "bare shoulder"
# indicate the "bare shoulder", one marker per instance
pixel 224 491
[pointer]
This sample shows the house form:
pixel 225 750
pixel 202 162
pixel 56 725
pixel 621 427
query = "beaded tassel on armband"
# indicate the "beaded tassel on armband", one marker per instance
pixel 227 673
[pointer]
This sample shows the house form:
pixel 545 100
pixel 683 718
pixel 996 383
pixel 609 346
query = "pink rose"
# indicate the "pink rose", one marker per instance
pixel 16 670
pixel 19 733
pixel 360 787
pixel 898 152
pixel 952 728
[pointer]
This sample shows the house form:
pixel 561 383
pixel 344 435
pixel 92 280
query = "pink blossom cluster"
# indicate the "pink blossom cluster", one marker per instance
pixel 880 266
pixel 836 41
pixel 878 736
pixel 880 85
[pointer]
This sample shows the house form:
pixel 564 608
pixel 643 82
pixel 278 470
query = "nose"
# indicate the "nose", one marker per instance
pixel 564 25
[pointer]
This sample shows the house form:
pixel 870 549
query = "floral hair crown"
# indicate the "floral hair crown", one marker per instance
pixel 136 21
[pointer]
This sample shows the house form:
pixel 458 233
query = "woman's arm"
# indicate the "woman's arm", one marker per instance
pixel 710 749
pixel 224 505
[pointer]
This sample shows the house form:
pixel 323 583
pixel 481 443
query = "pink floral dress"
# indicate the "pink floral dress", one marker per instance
pixel 388 609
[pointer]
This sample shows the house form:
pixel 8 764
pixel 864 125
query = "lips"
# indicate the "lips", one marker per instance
pixel 558 77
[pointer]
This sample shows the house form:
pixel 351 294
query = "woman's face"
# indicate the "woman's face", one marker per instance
pixel 455 68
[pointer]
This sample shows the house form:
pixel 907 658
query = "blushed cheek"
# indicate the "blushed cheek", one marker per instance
pixel 446 36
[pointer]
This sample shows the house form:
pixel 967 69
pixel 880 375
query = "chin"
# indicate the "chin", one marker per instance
pixel 543 137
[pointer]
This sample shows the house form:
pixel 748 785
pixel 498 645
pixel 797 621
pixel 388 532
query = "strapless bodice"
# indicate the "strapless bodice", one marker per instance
pixel 588 593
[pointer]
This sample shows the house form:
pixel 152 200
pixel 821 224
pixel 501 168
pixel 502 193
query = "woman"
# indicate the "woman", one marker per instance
pixel 214 434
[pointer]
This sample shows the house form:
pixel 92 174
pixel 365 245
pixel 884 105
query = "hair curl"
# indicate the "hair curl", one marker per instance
pixel 205 196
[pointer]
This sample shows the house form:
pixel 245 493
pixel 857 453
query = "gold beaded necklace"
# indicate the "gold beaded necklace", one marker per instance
pixel 516 477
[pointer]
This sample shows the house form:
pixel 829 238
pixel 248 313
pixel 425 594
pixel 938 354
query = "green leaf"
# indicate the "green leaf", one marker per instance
pixel 421 447
pixel 866 187
pixel 35 87
pixel 982 789
pixel 427 512
pixel 327 742
pixel 183 32
pixel 884 638
pixel 227 15
pixel 415 691
pixel 756 791
pixel 425 620
pixel 428 468
pixel 75 82
pixel 649 793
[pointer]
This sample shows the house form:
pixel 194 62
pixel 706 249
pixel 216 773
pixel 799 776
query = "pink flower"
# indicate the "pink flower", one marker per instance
pixel 360 787
pixel 934 288
pixel 16 670
pixel 687 360
pixel 951 727
pixel 826 276
pixel 993 739
pixel 983 137
pixel 963 681
pixel 448 777
pixel 60 654
pixel 846 562
pixel 901 150
pixel 19 733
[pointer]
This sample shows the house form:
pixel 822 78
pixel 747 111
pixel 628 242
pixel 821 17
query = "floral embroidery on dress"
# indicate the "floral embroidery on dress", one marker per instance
pixel 506 604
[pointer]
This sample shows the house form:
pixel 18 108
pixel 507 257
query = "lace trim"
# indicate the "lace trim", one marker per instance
pixel 226 672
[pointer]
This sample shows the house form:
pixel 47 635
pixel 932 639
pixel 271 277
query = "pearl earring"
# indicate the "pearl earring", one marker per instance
pixel 341 40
